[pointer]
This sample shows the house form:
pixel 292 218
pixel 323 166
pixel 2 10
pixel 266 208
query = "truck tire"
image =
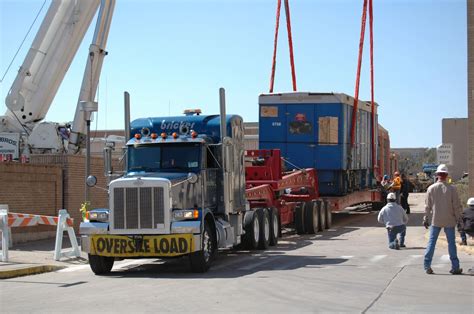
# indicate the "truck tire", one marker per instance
pixel 264 221
pixel 328 215
pixel 312 217
pixel 274 226
pixel 251 237
pixel 200 261
pixel 101 265
pixel 322 216
pixel 300 216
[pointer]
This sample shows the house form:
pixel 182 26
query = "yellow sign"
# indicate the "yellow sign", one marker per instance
pixel 146 246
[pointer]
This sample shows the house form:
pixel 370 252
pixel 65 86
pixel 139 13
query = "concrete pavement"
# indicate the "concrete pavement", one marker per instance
pixel 37 256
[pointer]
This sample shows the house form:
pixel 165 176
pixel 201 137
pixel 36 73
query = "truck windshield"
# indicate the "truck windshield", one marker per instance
pixel 164 157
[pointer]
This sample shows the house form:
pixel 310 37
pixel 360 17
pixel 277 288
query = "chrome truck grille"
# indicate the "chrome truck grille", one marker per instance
pixel 138 208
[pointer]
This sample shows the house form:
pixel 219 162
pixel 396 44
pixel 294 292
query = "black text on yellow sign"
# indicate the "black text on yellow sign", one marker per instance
pixel 166 245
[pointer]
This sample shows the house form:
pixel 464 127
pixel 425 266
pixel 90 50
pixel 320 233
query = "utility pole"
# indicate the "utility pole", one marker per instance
pixel 470 92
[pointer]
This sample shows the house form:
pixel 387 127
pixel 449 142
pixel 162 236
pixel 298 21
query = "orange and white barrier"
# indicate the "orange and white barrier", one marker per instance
pixel 63 222
pixel 26 220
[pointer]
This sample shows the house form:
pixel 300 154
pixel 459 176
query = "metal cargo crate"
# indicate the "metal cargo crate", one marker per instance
pixel 313 130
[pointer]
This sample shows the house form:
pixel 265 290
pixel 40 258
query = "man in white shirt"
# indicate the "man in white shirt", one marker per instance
pixel 395 218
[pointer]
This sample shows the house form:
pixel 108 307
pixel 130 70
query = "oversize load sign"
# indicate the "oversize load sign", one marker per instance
pixel 123 246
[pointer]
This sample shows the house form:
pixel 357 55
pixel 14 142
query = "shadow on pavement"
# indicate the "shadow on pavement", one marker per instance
pixel 179 268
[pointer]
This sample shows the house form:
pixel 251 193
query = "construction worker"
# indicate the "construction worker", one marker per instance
pixel 395 220
pixel 444 210
pixel 404 192
pixel 467 223
pixel 396 185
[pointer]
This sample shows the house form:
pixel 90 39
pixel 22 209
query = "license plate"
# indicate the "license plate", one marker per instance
pixel 146 246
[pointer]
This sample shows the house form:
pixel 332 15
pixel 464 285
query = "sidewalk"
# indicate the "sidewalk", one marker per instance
pixel 36 257
pixel 469 248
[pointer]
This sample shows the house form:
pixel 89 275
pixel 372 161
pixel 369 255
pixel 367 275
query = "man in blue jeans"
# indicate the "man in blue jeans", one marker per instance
pixel 395 219
pixel 443 208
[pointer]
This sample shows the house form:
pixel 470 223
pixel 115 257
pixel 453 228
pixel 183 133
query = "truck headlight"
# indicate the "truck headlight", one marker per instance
pixel 183 214
pixel 98 215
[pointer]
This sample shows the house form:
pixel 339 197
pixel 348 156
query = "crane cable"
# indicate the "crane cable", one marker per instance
pixel 290 45
pixel 23 41
pixel 359 65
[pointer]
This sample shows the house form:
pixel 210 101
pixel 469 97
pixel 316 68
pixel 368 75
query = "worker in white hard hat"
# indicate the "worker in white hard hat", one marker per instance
pixel 443 208
pixel 468 223
pixel 395 220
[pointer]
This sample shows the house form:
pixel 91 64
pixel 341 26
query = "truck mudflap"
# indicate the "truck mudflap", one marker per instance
pixel 169 245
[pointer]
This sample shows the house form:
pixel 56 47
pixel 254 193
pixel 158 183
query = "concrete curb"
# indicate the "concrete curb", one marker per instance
pixel 469 249
pixel 28 270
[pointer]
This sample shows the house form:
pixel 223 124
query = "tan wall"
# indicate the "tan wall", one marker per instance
pixel 455 132
pixel 470 91
pixel 31 189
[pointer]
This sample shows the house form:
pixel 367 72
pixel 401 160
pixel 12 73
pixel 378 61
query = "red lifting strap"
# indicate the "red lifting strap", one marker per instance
pixel 290 44
pixel 359 65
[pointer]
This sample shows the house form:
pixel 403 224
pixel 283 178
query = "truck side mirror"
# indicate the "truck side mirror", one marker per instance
pixel 91 181
pixel 192 177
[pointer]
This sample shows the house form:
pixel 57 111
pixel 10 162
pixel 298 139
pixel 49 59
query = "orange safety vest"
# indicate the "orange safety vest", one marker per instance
pixel 397 184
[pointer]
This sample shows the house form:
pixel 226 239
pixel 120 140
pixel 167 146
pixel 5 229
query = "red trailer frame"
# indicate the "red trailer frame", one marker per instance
pixel 268 186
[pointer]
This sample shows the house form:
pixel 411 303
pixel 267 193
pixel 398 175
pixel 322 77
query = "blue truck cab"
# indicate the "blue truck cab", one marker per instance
pixel 183 193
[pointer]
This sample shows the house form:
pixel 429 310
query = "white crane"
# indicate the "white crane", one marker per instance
pixel 44 68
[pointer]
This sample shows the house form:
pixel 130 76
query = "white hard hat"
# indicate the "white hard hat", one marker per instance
pixel 391 196
pixel 470 201
pixel 442 169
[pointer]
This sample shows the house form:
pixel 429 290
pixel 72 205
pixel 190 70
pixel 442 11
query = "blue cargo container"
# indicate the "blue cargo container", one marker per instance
pixel 313 131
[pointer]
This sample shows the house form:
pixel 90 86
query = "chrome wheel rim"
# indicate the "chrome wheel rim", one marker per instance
pixel 207 246
pixel 256 230
pixel 266 227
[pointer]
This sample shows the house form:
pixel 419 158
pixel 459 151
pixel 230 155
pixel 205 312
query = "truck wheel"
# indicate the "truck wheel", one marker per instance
pixel 252 231
pixel 101 265
pixel 300 218
pixel 312 218
pixel 201 260
pixel 264 220
pixel 274 226
pixel 322 216
pixel 328 215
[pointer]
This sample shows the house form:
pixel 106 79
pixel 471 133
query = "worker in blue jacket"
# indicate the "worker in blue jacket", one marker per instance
pixel 395 219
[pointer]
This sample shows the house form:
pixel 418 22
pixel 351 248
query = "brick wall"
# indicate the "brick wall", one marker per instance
pixel 48 184
pixel 73 167
pixel 32 189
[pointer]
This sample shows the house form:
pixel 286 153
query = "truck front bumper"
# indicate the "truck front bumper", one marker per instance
pixel 185 238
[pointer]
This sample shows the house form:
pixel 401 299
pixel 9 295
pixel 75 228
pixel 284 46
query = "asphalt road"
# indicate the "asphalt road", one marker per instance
pixel 346 269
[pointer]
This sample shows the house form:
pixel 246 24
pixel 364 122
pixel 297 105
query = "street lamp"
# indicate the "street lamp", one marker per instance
pixel 88 107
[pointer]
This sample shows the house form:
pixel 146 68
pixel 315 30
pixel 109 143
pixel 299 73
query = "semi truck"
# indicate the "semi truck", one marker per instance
pixel 191 189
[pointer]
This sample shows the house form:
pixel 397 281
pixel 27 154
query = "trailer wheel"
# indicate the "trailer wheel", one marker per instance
pixel 101 265
pixel 201 260
pixel 328 215
pixel 251 237
pixel 300 218
pixel 322 216
pixel 264 220
pixel 312 217
pixel 274 226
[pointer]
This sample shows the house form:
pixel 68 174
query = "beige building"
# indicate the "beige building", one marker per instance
pixel 455 133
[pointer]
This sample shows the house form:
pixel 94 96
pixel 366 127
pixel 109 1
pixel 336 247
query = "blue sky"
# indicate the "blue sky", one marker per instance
pixel 173 55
